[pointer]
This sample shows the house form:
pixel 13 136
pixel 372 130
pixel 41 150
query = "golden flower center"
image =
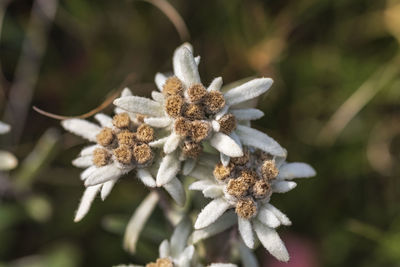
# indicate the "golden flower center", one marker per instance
pixel 127 142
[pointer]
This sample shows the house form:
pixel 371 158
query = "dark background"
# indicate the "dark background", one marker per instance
pixel 320 54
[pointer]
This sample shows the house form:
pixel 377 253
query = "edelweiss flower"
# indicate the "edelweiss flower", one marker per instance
pixel 7 160
pixel 190 114
pixel 246 184
pixel 122 144
pixel 177 252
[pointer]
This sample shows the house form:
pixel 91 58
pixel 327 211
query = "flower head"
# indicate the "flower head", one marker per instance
pixel 122 145
pixel 192 113
pixel 246 185
pixel 176 252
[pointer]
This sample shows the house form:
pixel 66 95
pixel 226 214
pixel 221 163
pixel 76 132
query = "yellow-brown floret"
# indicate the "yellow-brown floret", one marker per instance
pixel 238 187
pixel 200 130
pixel 162 262
pixel 121 120
pixel 126 138
pixel 123 154
pixel 182 126
pixel 261 189
pixel 101 157
pixel 246 208
pixel 145 133
pixel 172 86
pixel 243 159
pixel 222 172
pixel 227 123
pixel 196 92
pixel 269 170
pixel 249 176
pixel 105 137
pixel 194 112
pixel 213 102
pixel 142 153
pixel 173 105
pixel 192 149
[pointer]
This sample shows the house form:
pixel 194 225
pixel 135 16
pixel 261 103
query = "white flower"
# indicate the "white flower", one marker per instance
pixel 122 144
pixel 190 114
pixel 177 253
pixel 7 160
pixel 246 184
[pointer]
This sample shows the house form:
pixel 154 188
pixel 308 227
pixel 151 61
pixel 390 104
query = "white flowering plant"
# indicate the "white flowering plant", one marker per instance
pixel 189 130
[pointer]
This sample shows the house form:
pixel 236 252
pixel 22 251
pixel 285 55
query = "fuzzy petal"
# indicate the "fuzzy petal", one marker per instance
pixel 103 174
pixel 138 220
pixel 164 249
pixel 224 159
pixel 88 151
pixel 188 166
pixel 106 189
pixel 172 143
pixel 246 232
pixel 176 190
pixel 158 122
pixel 293 170
pixel 86 173
pixel 200 185
pixel 247 114
pixel 126 92
pixel 140 105
pixel 202 173
pixel 215 85
pixel 225 144
pixel 180 236
pixel 104 120
pixel 268 218
pixel 255 138
pixel 157 96
pixel 248 90
pixel 159 142
pixel 160 79
pixel 146 177
pixel 282 186
pixel 211 213
pixel 186 257
pixel 169 167
pixel 221 224
pixel 280 215
pixel 214 191
pixel 83 162
pixel 271 241
pixel 215 125
pixel 88 196
pixel 82 128
pixel 185 67
pixel 247 256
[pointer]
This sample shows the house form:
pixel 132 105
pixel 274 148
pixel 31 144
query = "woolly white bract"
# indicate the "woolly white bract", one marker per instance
pixel 227 125
pixel 263 219
pixel 177 252
pixel 102 179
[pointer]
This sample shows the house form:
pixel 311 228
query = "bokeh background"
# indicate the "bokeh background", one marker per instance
pixel 335 104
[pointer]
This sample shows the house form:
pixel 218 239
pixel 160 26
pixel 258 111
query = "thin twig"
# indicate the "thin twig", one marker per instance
pixel 103 105
pixel 173 16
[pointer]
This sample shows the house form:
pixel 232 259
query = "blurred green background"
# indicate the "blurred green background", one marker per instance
pixel 335 104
